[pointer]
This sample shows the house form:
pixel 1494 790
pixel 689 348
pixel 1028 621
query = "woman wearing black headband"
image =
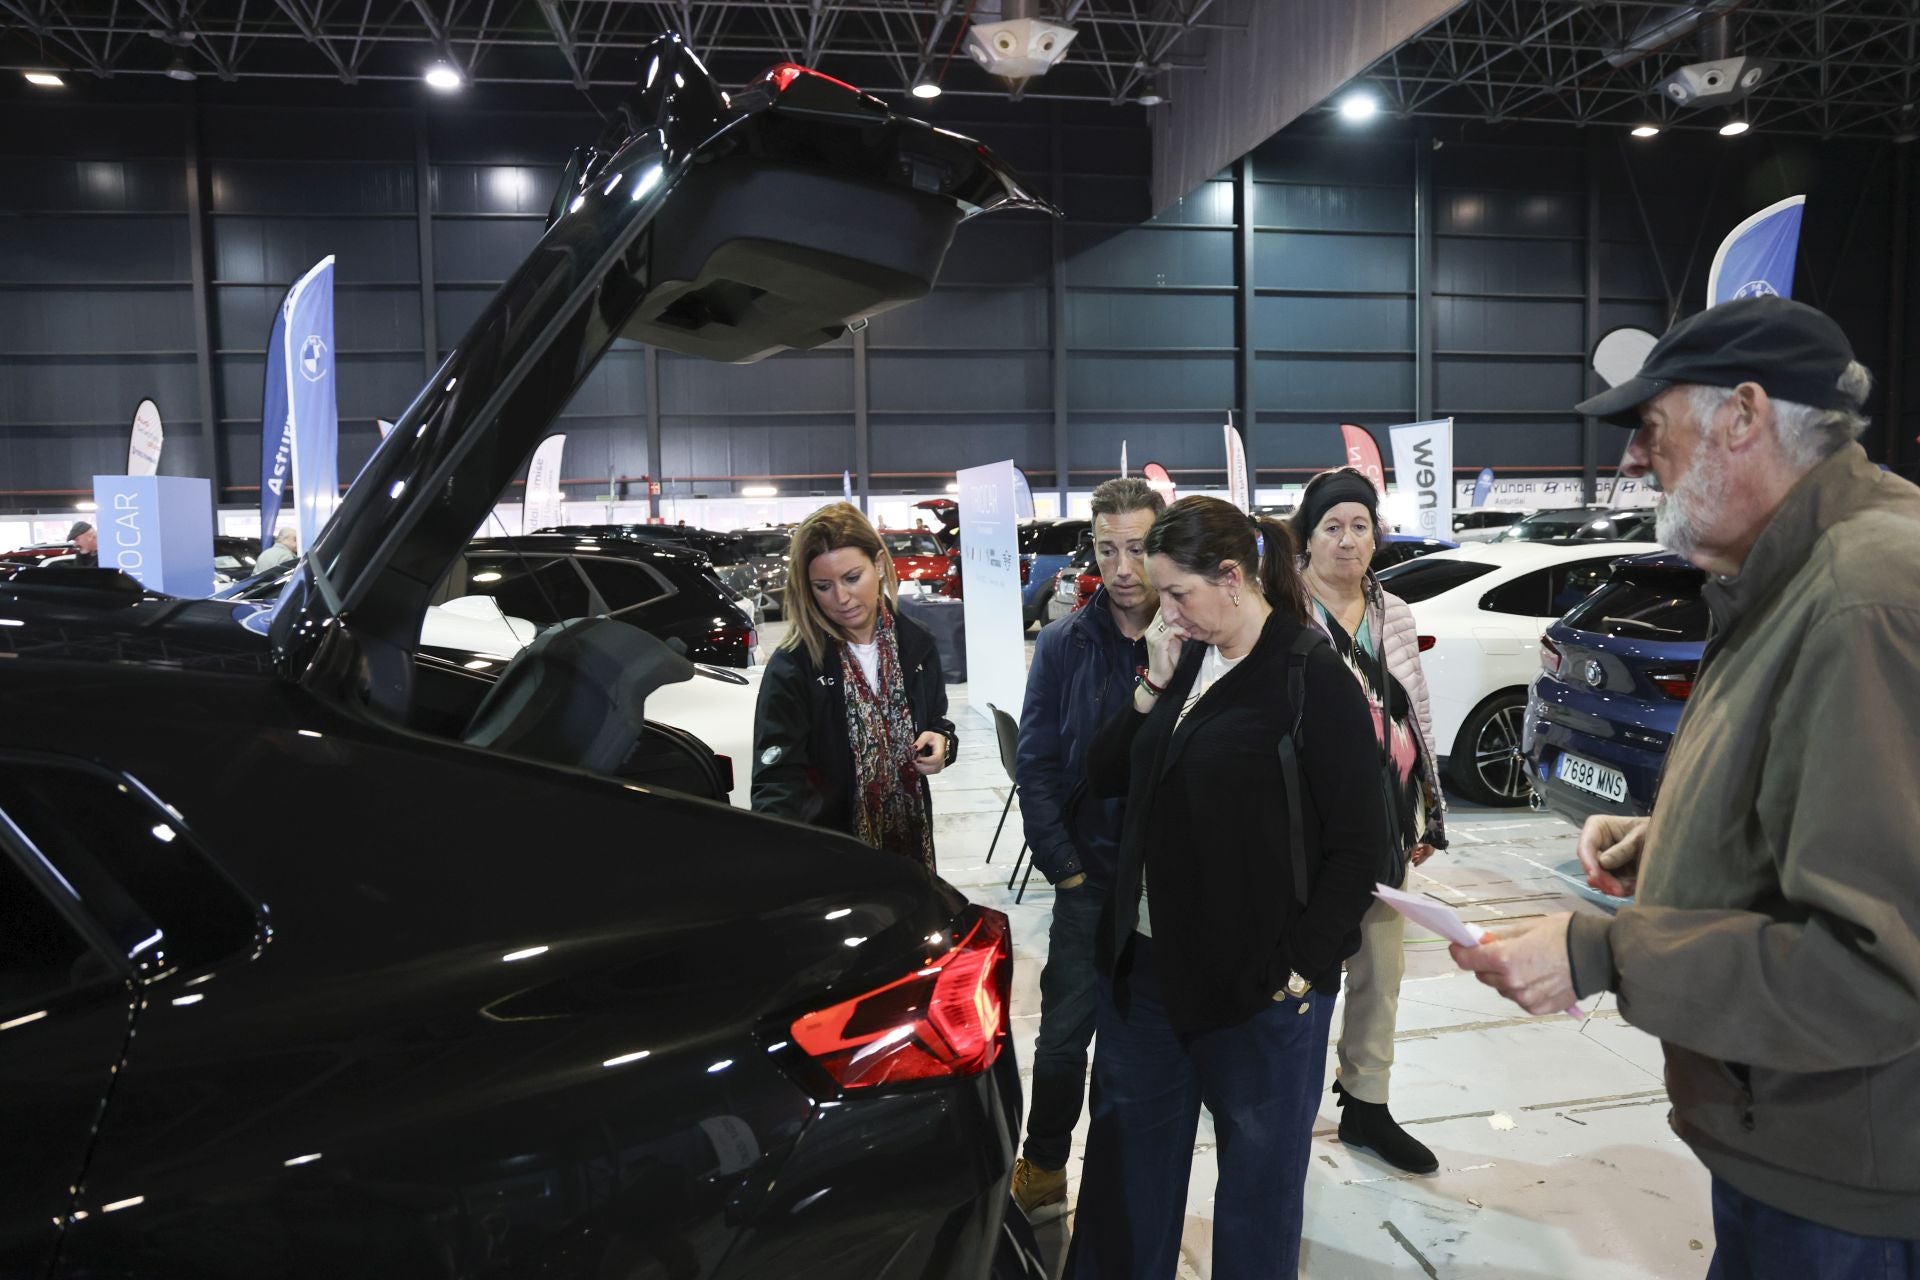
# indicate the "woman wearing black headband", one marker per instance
pixel 1337 527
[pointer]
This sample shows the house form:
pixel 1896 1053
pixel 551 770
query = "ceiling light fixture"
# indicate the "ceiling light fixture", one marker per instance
pixel 1734 128
pixel 45 79
pixel 759 491
pixel 1152 93
pixel 925 87
pixel 1647 131
pixel 179 70
pixel 1359 105
pixel 444 76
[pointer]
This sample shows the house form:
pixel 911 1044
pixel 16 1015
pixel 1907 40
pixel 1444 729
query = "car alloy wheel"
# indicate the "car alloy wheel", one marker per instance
pixel 1487 765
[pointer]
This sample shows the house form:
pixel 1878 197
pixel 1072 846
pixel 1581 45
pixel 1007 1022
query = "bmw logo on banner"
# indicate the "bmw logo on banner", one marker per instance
pixel 313 358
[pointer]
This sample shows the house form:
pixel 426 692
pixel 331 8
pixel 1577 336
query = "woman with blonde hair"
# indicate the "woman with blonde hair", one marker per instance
pixel 852 718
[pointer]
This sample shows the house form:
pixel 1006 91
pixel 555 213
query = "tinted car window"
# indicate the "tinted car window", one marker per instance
pixel 538 589
pixel 39 951
pixel 1572 583
pixel 1663 606
pixel 767 544
pixel 1425 578
pixel 911 544
pixel 1529 595
pixel 1057 539
pixel 623 584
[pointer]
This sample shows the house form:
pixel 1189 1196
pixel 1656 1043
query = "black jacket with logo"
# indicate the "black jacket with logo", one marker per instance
pixel 802 760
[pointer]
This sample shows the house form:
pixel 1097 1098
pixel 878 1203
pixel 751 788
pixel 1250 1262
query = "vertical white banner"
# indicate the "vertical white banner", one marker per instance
pixel 990 577
pixel 1423 467
pixel 1239 485
pixel 143 450
pixel 541 509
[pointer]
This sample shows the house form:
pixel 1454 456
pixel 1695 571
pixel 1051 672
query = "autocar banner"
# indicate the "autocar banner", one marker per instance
pixel 1756 258
pixel 276 445
pixel 541 507
pixel 1423 467
pixel 1363 452
pixel 1239 486
pixel 313 410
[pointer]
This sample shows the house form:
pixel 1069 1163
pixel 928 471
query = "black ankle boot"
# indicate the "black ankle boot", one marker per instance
pixel 1371 1125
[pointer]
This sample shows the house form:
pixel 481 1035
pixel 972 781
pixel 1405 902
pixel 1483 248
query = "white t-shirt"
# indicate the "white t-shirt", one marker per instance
pixel 868 656
pixel 1212 667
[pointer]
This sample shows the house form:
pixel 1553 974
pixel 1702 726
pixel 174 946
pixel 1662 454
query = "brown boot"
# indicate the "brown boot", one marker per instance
pixel 1040 1193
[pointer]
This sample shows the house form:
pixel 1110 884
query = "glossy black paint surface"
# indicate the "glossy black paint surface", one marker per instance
pixel 407 1008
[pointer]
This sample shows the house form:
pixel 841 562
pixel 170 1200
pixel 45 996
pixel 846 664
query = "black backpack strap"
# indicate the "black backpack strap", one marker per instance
pixel 1303 645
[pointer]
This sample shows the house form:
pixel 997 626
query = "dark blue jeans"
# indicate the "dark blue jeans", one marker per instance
pixel 1754 1241
pixel 1260 1080
pixel 1068 1002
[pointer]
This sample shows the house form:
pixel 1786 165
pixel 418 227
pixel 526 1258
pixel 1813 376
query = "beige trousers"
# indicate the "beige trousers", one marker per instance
pixel 1373 1002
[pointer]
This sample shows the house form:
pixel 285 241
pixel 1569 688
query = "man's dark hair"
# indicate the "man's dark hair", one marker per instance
pixel 1129 493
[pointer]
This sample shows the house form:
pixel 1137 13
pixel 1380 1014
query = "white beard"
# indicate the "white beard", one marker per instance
pixel 1680 517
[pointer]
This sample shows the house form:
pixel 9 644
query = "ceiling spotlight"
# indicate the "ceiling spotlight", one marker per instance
pixel 444 76
pixel 1152 94
pixel 925 87
pixel 45 79
pixel 179 70
pixel 1734 128
pixel 1359 105
pixel 1647 131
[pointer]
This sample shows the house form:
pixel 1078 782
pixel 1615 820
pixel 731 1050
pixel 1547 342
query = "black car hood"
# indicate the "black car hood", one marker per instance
pixel 726 226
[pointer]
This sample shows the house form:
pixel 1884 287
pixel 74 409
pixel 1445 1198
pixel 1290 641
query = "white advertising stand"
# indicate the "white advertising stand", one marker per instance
pixel 990 577
pixel 1423 468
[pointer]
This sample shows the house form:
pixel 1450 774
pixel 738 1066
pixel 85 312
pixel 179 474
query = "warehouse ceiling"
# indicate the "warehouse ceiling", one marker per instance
pixel 880 45
pixel 1838 67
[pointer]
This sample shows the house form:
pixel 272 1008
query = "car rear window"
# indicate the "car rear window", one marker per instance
pixel 1659 605
pixel 1056 539
pixel 911 544
pixel 1427 577
pixel 540 589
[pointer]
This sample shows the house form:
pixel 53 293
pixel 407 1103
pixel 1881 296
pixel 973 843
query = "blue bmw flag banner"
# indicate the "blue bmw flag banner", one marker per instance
pixel 1756 258
pixel 313 419
pixel 1483 486
pixel 276 446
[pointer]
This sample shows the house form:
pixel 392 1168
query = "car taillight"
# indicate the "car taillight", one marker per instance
pixel 948 1018
pixel 786 73
pixel 1677 685
pixel 1549 656
pixel 1026 571
pixel 1427 642
pixel 726 772
pixel 724 636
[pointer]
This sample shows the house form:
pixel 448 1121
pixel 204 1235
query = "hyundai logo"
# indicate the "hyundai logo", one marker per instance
pixel 1593 673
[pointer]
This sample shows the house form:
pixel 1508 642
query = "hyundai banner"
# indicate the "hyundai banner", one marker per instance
pixel 1239 486
pixel 1423 468
pixel 1756 259
pixel 143 450
pixel 313 417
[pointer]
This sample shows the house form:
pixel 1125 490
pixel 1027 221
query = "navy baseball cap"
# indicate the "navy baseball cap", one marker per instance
pixel 1796 352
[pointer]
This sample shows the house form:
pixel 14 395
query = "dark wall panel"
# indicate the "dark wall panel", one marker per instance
pixel 957 381
pixel 1174 381
pixel 937 444
pixel 73 250
pixel 1482 324
pixel 1333 324
pixel 1336 263
pixel 1149 321
pixel 1332 208
pixel 476 251
pixel 73 390
pixel 1508 266
pixel 795 381
pixel 1292 384
pixel 1461 386
pixel 281 250
pixel 965 318
pixel 1149 258
pixel 284 186
pixel 363 319
pixel 96 321
pixel 133 185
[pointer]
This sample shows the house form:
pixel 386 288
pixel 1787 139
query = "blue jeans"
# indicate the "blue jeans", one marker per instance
pixel 1260 1080
pixel 1067 1013
pixel 1754 1241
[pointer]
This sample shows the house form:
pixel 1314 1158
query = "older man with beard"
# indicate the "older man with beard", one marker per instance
pixel 1774 946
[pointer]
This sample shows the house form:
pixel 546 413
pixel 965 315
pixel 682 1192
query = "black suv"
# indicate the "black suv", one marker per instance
pixel 292 985
pixel 662 589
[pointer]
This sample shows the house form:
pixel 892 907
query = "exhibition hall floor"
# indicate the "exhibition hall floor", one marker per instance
pixel 1555 1157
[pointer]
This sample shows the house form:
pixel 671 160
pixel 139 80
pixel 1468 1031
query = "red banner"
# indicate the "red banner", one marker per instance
pixel 1363 453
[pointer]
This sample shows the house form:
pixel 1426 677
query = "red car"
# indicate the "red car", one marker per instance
pixel 925 563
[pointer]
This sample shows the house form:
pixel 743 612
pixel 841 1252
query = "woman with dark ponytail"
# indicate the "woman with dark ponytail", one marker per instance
pixel 1253 823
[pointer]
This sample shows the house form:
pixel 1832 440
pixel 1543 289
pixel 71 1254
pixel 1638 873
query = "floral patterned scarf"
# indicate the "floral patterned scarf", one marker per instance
pixel 888 811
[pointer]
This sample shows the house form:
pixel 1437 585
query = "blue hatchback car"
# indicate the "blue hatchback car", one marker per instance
pixel 1615 676
pixel 1045 547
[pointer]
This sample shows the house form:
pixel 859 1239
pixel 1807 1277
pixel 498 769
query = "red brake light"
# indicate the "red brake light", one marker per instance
pixel 1677 685
pixel 946 1019
pixel 786 73
pixel 1549 656
pixel 1427 642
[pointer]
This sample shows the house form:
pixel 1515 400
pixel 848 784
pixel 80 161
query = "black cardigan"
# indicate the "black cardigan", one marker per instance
pixel 802 762
pixel 1206 822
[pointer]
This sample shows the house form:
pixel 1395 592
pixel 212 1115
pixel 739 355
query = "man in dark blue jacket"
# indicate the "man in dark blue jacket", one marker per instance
pixel 1083 671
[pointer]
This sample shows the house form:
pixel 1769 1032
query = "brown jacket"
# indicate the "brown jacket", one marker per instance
pixel 1775 944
